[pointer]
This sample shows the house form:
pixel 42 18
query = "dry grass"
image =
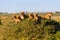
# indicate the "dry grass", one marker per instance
pixel 57 18
pixel 25 30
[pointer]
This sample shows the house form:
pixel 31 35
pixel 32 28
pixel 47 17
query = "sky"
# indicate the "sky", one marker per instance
pixel 29 5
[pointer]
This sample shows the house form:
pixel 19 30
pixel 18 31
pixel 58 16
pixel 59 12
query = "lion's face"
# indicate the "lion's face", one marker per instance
pixel 31 15
pixel 22 15
pixel 35 16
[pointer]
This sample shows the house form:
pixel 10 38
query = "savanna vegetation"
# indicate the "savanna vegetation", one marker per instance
pixel 29 29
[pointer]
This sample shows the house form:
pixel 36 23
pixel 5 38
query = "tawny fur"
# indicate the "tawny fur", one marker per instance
pixel 22 15
pixel 31 16
pixel 35 16
pixel 16 19
pixel 48 15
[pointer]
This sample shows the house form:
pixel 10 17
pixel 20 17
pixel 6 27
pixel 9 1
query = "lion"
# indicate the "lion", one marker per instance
pixel 48 15
pixel 16 19
pixel 31 16
pixel 35 16
pixel 22 15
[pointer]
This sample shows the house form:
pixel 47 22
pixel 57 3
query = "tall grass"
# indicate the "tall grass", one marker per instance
pixel 29 29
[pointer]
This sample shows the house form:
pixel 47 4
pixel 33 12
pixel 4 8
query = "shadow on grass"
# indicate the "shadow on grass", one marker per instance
pixel 54 25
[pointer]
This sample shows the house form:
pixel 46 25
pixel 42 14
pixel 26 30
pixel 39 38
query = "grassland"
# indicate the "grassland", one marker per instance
pixel 29 29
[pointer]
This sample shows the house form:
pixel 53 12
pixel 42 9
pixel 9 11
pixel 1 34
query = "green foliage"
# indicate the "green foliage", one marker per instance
pixel 30 30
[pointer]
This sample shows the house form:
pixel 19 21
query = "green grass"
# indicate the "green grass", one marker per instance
pixel 28 29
